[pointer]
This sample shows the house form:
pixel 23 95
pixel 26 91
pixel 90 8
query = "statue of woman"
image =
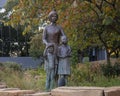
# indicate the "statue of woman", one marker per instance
pixel 52 35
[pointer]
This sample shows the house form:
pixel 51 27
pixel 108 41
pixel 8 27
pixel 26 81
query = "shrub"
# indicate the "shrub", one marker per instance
pixel 86 75
pixel 10 65
pixel 109 70
pixel 81 73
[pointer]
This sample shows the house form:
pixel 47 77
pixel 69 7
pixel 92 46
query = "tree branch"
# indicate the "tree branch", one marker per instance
pixel 99 6
pixel 95 11
pixel 111 3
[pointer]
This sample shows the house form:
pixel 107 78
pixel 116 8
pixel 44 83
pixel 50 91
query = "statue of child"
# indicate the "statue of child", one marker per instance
pixel 49 67
pixel 64 53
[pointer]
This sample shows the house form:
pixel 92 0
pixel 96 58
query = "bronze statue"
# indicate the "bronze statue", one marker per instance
pixel 64 53
pixel 50 67
pixel 51 37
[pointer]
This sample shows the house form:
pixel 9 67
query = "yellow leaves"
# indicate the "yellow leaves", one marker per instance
pixel 35 21
pixel 27 29
pixel 22 22
pixel 107 9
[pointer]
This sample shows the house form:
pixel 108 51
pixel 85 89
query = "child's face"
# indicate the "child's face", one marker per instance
pixel 50 49
pixel 64 40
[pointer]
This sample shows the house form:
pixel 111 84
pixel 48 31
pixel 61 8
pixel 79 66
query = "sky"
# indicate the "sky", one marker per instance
pixel 2 3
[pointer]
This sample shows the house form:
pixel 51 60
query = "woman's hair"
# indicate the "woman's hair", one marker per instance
pixel 51 13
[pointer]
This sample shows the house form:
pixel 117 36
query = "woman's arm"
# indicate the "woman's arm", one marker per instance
pixel 44 38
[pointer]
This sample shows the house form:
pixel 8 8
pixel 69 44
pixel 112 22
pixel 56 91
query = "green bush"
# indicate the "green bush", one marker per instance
pixel 10 65
pixel 83 75
pixel 109 70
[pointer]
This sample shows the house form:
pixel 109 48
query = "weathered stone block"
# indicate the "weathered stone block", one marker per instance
pixel 39 94
pixel 15 92
pixel 8 89
pixel 112 91
pixel 78 91
pixel 2 86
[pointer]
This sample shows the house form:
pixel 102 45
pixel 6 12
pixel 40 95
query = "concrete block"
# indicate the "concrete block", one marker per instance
pixel 39 94
pixel 78 91
pixel 8 89
pixel 15 92
pixel 2 86
pixel 112 91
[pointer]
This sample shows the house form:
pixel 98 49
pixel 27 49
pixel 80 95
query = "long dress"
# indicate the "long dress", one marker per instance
pixel 64 60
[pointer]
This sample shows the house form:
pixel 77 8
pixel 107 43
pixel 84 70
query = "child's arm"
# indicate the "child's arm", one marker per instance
pixel 69 51
pixel 45 54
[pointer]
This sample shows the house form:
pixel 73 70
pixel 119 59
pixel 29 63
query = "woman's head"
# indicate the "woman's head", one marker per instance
pixel 53 16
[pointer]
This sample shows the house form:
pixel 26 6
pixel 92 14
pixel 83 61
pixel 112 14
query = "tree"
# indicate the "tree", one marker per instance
pixel 8 7
pixel 86 22
pixel 31 13
pixel 105 24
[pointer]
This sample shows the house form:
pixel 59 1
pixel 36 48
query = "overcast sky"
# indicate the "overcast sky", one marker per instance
pixel 2 3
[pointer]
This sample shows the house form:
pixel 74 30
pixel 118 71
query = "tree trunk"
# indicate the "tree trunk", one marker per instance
pixel 108 57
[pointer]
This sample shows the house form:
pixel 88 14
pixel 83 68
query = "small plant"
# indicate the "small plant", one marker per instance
pixel 81 73
pixel 109 70
pixel 95 75
pixel 116 67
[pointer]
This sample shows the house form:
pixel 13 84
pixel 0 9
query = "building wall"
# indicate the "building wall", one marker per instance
pixel 25 62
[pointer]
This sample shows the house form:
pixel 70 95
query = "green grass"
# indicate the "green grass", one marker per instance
pixel 28 79
pixel 34 79
pixel 83 75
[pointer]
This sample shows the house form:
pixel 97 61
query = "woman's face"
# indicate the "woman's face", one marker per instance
pixel 53 18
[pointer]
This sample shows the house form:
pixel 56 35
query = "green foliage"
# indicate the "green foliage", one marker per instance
pixel 36 48
pixel 111 70
pixel 108 20
pixel 102 25
pixel 96 22
pixel 10 4
pixel 9 7
pixel 81 73
pixel 90 75
pixel 11 65
pixel 74 57
pixel 28 79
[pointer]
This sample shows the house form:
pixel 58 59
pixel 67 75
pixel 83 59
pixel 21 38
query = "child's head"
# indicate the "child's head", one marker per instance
pixel 50 49
pixel 64 40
